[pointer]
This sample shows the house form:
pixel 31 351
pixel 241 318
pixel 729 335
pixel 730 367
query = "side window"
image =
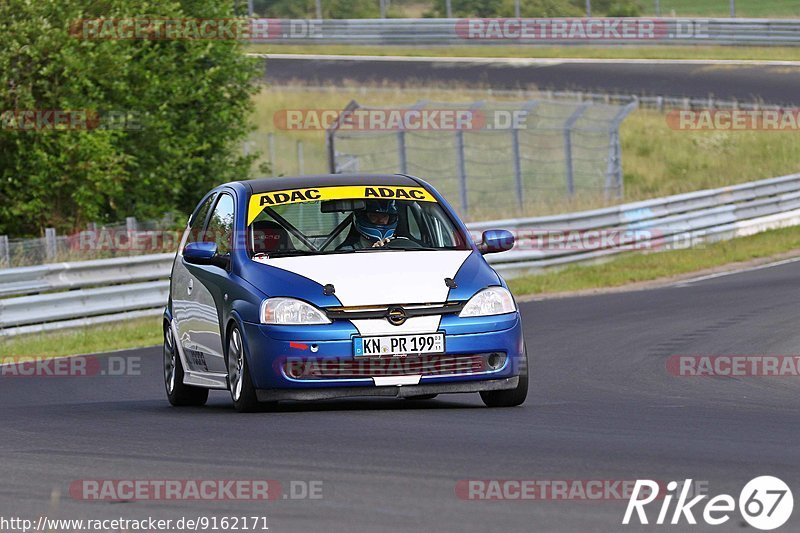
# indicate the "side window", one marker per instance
pixel 220 225
pixel 196 226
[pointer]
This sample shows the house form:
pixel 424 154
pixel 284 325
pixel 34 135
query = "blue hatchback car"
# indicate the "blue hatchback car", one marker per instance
pixel 320 287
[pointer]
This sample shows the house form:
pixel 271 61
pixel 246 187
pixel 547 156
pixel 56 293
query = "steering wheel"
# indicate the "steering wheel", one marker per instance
pixel 403 242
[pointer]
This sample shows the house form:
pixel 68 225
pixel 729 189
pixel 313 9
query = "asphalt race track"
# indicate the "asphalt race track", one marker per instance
pixel 602 406
pixel 771 84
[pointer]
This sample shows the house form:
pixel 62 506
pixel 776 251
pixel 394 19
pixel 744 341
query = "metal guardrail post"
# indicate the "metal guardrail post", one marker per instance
pixel 131 225
pixel 50 243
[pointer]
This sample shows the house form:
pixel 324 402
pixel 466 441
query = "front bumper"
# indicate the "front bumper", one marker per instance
pixel 270 347
pixel 328 393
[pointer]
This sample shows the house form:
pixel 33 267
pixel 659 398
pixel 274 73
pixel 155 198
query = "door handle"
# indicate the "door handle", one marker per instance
pixel 190 286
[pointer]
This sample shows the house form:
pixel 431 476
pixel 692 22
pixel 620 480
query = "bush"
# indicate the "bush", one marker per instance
pixel 611 8
pixel 624 8
pixel 191 99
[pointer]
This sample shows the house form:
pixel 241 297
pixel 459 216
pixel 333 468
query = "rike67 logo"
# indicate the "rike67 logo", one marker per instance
pixel 765 503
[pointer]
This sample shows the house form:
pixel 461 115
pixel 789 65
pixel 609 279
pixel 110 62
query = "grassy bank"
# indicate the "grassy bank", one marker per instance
pixel 762 53
pixel 632 268
pixel 92 339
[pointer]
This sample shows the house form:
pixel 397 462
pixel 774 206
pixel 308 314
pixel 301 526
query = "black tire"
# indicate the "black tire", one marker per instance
pixel 178 393
pixel 243 393
pixel 422 397
pixel 511 397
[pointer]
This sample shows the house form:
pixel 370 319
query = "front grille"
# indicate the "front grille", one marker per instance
pixel 382 311
pixel 367 367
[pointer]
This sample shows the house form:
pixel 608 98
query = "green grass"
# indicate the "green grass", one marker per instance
pixel 594 52
pixel 92 339
pixel 721 8
pixel 679 8
pixel 631 268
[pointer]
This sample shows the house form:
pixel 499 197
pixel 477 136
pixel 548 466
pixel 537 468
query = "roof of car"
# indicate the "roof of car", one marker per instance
pixel 327 180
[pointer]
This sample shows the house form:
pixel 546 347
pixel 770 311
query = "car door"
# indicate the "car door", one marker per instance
pixel 197 293
pixel 184 310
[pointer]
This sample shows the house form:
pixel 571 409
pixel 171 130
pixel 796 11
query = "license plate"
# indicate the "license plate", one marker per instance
pixel 399 344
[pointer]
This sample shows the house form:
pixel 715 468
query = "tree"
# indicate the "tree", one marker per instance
pixel 182 109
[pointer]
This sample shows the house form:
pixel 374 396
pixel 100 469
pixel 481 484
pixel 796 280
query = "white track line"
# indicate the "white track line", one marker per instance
pixel 530 61
pixel 733 272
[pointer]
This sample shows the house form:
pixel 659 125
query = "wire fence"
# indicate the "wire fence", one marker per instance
pixel 97 241
pixel 505 157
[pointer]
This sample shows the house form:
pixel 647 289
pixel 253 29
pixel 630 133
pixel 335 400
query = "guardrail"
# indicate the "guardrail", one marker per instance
pixel 575 31
pixel 114 289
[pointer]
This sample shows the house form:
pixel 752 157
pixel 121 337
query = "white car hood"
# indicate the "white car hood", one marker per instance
pixel 380 278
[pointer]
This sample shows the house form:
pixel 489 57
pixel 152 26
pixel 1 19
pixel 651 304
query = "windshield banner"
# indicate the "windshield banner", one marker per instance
pixel 258 202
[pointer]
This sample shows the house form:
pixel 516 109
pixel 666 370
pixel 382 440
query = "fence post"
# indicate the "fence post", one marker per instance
pixel 50 243
pixel 614 168
pixel 301 167
pixel 5 252
pixel 271 141
pixel 568 125
pixel 517 165
pixel 461 169
pixel 131 224
pixel 401 151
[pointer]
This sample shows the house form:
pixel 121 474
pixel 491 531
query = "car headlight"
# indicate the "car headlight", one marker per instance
pixel 491 301
pixel 288 311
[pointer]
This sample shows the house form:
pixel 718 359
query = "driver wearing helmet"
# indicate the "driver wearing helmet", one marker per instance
pixel 374 226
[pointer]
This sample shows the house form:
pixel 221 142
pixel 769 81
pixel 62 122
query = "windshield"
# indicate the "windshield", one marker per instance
pixel 351 225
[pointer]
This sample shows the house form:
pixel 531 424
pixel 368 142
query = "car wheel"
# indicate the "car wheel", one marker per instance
pixel 510 397
pixel 422 397
pixel 243 393
pixel 179 394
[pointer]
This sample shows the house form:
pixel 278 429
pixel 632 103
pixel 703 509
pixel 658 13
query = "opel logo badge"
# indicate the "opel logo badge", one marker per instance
pixel 397 316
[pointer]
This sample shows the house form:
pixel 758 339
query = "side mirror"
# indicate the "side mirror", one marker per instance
pixel 496 240
pixel 205 253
